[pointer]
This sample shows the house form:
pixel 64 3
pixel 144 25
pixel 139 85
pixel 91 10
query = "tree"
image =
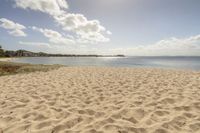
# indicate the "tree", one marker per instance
pixel 1 52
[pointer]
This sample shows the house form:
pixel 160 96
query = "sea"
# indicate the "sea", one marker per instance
pixel 186 62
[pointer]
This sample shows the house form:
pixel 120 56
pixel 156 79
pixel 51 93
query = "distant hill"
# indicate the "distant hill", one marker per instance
pixel 25 53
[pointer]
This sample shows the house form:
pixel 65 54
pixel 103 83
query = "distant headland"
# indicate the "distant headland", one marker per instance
pixel 25 53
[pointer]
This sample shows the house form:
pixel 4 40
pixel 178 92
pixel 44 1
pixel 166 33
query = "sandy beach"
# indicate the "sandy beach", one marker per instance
pixel 6 59
pixel 101 100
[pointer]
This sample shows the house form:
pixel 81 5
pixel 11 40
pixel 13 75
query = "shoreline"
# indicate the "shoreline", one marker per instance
pixel 112 62
pixel 6 59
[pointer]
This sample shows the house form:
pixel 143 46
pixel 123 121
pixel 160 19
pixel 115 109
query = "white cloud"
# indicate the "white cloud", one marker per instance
pixel 109 32
pixel 172 47
pixel 54 36
pixel 92 38
pixel 35 43
pixel 15 29
pixel 87 31
pixel 52 7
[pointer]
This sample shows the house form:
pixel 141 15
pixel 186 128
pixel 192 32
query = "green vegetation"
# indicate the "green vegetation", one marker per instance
pixel 2 53
pixel 9 68
pixel 25 53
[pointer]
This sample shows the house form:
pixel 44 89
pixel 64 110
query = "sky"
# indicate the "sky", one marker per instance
pixel 130 27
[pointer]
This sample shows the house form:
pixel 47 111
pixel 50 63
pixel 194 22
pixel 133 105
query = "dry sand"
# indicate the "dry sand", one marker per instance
pixel 6 59
pixel 101 100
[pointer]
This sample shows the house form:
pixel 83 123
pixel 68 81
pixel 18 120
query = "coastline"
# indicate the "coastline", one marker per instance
pixel 6 59
pixel 101 99
pixel 8 67
pixel 183 63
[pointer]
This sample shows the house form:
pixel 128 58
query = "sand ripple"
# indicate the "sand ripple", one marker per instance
pixel 101 100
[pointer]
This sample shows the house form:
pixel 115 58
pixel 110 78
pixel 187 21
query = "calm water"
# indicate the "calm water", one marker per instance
pixel 161 62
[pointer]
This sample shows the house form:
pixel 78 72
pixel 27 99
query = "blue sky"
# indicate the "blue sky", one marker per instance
pixel 132 27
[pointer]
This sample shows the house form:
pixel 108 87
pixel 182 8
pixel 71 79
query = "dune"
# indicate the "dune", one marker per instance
pixel 101 100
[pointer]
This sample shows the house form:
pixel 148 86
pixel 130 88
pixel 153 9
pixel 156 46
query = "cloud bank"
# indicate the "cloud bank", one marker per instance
pixel 86 31
pixel 169 47
pixel 172 47
pixel 39 44
pixel 13 28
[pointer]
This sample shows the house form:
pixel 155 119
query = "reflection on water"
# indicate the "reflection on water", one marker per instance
pixel 163 62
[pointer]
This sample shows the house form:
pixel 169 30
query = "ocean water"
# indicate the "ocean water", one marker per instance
pixel 192 63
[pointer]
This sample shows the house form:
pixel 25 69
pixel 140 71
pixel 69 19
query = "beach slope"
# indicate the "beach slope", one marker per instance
pixel 101 100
